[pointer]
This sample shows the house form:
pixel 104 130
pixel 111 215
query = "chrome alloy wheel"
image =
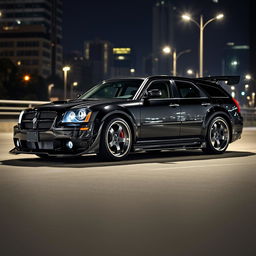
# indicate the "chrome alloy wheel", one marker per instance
pixel 118 138
pixel 219 134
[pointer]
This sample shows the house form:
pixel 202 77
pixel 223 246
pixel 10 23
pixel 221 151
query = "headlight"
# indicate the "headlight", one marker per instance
pixel 77 116
pixel 20 117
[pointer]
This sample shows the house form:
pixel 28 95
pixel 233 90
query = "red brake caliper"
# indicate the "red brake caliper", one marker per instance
pixel 121 134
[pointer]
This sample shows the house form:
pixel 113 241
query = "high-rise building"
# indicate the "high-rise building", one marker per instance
pixel 122 62
pixel 235 59
pixel 147 65
pixel 236 62
pixel 163 35
pixel 80 75
pixel 32 29
pixel 99 54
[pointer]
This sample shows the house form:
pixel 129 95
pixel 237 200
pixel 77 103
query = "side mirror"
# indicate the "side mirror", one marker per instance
pixel 154 93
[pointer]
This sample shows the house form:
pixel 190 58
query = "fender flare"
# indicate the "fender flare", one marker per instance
pixel 213 113
pixel 102 116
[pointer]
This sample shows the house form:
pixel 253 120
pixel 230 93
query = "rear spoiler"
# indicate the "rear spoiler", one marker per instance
pixel 230 80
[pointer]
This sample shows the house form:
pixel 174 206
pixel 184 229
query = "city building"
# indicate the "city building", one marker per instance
pixel 99 55
pixel 122 62
pixel 163 34
pixel 31 34
pixel 80 74
pixel 147 65
pixel 236 62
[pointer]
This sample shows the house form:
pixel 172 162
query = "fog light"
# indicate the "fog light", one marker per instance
pixel 69 144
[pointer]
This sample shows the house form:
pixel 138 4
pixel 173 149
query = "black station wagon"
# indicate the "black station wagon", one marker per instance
pixel 120 116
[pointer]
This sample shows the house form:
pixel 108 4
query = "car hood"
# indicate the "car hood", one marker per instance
pixel 78 103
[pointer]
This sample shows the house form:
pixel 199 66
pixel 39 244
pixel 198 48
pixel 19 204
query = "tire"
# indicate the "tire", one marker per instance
pixel 218 136
pixel 116 140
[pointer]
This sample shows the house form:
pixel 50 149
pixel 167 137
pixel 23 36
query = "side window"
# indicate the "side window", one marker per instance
pixel 163 86
pixel 188 90
pixel 213 91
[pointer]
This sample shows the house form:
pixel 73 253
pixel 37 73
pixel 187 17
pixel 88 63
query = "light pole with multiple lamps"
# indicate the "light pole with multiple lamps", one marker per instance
pixel 65 70
pixel 201 26
pixel 175 56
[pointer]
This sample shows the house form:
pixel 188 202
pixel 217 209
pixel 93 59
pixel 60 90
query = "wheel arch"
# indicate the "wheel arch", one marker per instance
pixel 103 116
pixel 221 112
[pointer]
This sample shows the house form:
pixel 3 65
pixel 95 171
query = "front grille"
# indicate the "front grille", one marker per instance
pixel 43 120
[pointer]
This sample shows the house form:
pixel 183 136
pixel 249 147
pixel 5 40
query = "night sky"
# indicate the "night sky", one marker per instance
pixel 129 23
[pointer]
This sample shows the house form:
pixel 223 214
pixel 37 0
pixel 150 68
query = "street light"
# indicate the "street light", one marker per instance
pixel 132 71
pixel 248 77
pixel 74 84
pixel 175 56
pixel 50 87
pixel 190 72
pixel 65 70
pixel 187 17
pixel 26 78
pixel 167 50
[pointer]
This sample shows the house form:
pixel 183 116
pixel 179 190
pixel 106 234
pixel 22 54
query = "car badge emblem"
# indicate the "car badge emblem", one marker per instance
pixel 34 122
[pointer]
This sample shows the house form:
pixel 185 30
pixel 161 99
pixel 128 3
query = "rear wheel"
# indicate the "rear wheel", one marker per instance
pixel 218 136
pixel 116 140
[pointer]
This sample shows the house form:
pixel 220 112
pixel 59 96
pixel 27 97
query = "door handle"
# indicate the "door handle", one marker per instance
pixel 206 104
pixel 174 105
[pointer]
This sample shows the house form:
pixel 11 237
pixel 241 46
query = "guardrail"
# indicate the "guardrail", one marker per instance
pixel 10 109
pixel 249 115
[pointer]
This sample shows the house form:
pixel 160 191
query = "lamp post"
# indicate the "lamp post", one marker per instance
pixel 74 84
pixel 175 56
pixel 50 86
pixel 65 70
pixel 201 25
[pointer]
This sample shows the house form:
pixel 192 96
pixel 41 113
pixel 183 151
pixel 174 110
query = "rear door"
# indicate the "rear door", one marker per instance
pixel 194 105
pixel 160 117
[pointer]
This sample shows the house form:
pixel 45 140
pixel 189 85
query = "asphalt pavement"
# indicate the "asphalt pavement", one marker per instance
pixel 177 203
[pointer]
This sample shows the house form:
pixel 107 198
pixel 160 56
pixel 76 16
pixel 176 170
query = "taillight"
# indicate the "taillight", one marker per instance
pixel 237 105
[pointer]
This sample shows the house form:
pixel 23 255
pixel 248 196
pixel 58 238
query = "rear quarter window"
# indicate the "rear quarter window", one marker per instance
pixel 189 90
pixel 213 91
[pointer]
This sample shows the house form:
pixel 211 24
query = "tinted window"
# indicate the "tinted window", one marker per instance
pixel 187 90
pixel 163 86
pixel 115 89
pixel 213 91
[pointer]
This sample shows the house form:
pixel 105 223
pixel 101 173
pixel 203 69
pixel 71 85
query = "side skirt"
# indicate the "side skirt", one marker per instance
pixel 188 143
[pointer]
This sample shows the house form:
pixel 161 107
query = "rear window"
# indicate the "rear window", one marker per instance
pixel 188 90
pixel 213 91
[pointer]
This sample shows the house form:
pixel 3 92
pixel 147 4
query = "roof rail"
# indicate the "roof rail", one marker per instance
pixel 230 80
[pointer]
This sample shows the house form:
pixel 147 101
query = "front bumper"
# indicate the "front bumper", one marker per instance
pixel 54 142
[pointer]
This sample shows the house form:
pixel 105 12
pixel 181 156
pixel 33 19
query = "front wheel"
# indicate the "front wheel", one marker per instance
pixel 218 136
pixel 116 140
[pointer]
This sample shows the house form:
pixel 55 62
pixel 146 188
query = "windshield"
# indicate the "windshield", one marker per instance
pixel 115 89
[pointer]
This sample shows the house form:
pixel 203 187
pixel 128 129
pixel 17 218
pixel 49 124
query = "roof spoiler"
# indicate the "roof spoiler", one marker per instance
pixel 230 80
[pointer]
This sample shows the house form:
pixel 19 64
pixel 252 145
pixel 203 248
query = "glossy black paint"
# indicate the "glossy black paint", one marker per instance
pixel 156 123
